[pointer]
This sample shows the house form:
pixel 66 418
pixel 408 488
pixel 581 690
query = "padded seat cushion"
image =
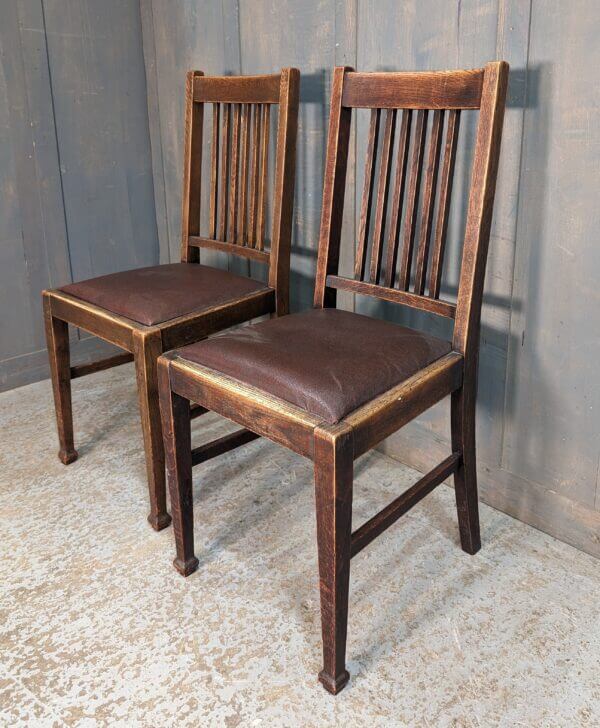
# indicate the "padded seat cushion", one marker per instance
pixel 326 361
pixel 163 292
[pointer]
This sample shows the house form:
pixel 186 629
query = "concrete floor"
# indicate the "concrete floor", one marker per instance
pixel 97 629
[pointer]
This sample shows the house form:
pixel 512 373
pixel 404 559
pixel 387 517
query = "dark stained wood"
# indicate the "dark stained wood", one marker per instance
pixel 412 204
pixel 421 90
pixel 391 513
pixel 333 448
pixel 367 196
pixel 244 167
pixel 175 417
pixel 82 370
pixel 195 326
pixel 479 213
pixel 470 294
pixel 334 189
pixel 234 180
pixel 258 255
pixel 57 338
pixel 197 411
pixel 333 495
pixel 272 418
pixel 441 308
pixel 254 176
pixel 441 228
pixel 386 414
pixel 222 445
pixel 147 347
pixel 262 185
pixel 192 169
pixel 383 185
pixel 397 199
pixel 214 172
pixel 283 197
pixel 462 425
pixel 110 327
pixel 146 343
pixel 225 175
pixel 237 89
pixel 431 174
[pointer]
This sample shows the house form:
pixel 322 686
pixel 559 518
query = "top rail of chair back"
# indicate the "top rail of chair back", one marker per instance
pixel 263 89
pixel 414 90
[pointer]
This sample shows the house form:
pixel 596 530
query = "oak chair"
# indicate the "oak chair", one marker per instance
pixel 331 384
pixel 151 310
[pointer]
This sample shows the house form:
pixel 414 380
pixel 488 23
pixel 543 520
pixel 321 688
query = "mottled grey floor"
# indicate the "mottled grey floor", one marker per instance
pixel 97 629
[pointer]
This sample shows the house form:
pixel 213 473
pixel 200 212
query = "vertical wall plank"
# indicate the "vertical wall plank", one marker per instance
pixel 553 396
pixel 45 122
pixel 100 105
pixel 33 238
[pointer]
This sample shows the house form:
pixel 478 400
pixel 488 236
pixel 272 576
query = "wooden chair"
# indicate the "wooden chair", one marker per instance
pixel 151 310
pixel 331 384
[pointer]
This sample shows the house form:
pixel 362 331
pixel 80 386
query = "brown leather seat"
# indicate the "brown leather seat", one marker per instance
pixel 326 361
pixel 163 292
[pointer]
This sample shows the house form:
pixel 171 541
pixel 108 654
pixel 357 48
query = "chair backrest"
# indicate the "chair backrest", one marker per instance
pixel 393 262
pixel 239 177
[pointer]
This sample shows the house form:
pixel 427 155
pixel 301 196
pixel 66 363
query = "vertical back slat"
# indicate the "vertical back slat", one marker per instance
pixel 244 163
pixel 254 176
pixel 224 172
pixel 383 186
pixel 441 226
pixel 214 173
pixel 429 190
pixel 412 206
pixel 264 172
pixel 397 198
pixel 367 197
pixel 233 176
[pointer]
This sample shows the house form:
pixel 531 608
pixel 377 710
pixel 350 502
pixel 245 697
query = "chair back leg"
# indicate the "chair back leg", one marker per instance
pixel 465 477
pixel 57 340
pixel 333 463
pixel 147 347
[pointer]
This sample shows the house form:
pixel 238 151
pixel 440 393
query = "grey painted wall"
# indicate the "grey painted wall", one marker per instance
pixel 76 189
pixel 539 403
pixel 87 185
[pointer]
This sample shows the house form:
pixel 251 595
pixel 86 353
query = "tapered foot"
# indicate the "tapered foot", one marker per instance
pixel 185 568
pixel 334 685
pixel 160 521
pixel 471 547
pixel 67 457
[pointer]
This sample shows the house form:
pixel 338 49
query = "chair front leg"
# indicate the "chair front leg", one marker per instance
pixel 334 463
pixel 175 412
pixel 465 478
pixel 147 347
pixel 57 340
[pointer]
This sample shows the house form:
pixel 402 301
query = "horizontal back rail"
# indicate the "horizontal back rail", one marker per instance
pixel 422 90
pixel 394 295
pixel 257 255
pixel 237 89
